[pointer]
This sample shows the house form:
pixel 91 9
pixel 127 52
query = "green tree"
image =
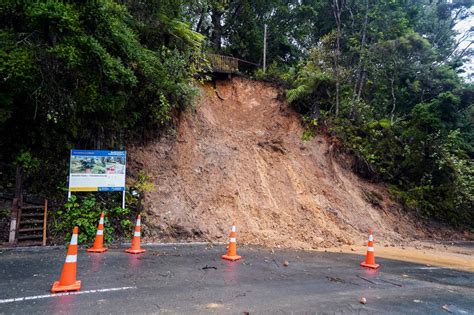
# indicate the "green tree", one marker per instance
pixel 89 75
pixel 403 110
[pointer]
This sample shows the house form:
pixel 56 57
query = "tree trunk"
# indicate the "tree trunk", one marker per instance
pixel 394 99
pixel 216 35
pixel 19 182
pixel 337 10
pixel 201 18
pixel 360 68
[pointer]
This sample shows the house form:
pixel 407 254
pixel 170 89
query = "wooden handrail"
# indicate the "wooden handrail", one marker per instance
pixel 226 64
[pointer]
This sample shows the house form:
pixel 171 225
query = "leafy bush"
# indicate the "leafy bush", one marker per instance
pixel 275 73
pixel 424 155
pixel 89 74
pixel 310 129
pixel 85 214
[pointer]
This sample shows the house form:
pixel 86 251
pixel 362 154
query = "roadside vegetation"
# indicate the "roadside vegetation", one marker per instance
pixel 94 74
pixel 383 77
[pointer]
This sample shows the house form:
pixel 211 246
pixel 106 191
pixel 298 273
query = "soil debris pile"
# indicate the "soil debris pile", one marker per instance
pixel 238 156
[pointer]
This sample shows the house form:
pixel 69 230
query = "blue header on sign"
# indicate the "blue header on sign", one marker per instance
pixel 97 153
pixel 111 188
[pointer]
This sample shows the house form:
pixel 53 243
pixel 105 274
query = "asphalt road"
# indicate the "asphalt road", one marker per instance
pixel 194 280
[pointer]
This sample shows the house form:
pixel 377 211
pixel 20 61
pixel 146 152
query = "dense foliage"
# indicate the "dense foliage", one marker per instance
pixel 84 213
pixel 88 74
pixel 391 89
pixel 383 76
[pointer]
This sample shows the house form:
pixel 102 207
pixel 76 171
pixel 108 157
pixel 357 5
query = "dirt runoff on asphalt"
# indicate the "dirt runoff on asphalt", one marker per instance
pixel 452 255
pixel 238 156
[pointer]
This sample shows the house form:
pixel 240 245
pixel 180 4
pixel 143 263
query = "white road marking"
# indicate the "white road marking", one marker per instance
pixel 36 297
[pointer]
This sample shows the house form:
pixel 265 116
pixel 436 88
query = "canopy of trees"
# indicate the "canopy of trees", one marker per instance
pixel 88 75
pixel 384 76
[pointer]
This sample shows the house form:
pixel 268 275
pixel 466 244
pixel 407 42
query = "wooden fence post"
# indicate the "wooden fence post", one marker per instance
pixel 45 222
pixel 13 222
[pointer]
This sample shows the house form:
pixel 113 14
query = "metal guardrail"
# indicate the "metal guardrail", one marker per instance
pixel 227 64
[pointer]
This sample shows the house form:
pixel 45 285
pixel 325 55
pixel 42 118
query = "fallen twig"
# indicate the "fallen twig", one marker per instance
pixel 397 284
pixel 209 267
pixel 366 280
pixel 335 279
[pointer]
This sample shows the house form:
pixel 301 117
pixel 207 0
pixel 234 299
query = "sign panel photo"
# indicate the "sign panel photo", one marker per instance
pixel 97 170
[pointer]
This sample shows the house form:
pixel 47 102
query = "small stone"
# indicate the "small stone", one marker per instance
pixel 286 263
pixel 363 300
pixel 446 308
pixel 213 305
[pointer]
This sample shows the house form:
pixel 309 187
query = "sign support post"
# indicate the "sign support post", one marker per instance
pixel 123 199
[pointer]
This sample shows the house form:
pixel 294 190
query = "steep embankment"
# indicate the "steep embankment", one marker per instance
pixel 238 156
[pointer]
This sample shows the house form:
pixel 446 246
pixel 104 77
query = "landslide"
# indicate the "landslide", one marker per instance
pixel 238 155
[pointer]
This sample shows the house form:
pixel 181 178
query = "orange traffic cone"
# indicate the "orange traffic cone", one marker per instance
pixel 68 282
pixel 135 249
pixel 98 246
pixel 370 256
pixel 232 248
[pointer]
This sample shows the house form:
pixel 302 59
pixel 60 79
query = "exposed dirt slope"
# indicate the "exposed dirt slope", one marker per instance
pixel 239 157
